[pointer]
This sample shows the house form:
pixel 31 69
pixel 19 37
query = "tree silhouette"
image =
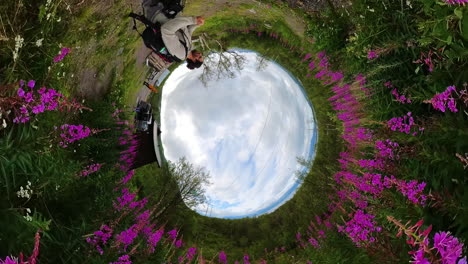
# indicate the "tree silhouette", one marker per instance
pixel 220 62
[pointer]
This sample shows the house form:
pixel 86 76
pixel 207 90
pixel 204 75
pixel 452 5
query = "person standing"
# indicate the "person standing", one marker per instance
pixel 177 37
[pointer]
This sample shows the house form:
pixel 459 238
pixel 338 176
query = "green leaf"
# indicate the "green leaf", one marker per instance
pixel 42 12
pixel 458 12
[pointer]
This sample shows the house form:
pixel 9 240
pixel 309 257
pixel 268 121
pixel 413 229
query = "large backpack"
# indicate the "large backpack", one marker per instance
pixel 152 37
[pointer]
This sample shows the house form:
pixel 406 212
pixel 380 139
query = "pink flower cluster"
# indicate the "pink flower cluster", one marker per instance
pixel 72 133
pixel 127 156
pixel 100 238
pixel 427 58
pixel 35 101
pixel 444 100
pixel 91 169
pixel 446 248
pixel 127 201
pixel 360 227
pixel 141 229
pixel 222 258
pixel 413 190
pixel 316 231
pixel 372 54
pixel 63 52
pixel 32 259
pixel 361 180
pixel 456 2
pixel 398 97
pixel 404 124
pixel 125 259
pixel 387 149
pixel 449 248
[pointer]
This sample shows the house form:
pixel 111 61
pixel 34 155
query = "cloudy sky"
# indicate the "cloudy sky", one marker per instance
pixel 247 132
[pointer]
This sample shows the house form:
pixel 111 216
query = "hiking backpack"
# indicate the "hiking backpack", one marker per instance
pixel 152 37
pixel 172 10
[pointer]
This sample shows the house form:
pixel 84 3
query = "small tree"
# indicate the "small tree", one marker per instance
pixel 190 182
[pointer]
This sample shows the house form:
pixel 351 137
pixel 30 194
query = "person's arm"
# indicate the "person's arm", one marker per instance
pixel 171 26
pixel 200 21
pixel 192 28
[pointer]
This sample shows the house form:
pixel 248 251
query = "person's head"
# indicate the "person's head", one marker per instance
pixel 194 59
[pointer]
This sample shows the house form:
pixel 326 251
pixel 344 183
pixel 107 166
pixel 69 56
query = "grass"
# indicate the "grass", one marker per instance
pixel 66 207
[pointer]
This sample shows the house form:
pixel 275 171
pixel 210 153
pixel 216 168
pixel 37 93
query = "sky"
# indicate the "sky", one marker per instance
pixel 247 132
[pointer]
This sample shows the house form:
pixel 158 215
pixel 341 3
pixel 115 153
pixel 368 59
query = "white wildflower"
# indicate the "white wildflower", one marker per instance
pixel 18 45
pixel 408 3
pixel 39 42
pixel 4 124
pixel 59 19
pixel 28 218
pixel 48 16
pixel 25 193
pixel 28 210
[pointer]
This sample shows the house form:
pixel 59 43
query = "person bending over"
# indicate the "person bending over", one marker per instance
pixel 177 37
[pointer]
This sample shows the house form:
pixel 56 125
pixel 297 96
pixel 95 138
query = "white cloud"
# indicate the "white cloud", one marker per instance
pixel 247 132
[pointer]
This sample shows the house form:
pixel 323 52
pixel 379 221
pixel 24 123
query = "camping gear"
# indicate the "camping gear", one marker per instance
pixel 152 20
pixel 152 37
pixel 143 116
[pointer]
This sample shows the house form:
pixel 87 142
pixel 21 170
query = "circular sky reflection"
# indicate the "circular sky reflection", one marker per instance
pixel 247 132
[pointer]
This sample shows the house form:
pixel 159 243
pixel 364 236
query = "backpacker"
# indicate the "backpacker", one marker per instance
pixel 152 37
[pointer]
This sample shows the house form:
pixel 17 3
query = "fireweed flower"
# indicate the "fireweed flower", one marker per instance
pixel 456 2
pixel 178 243
pixel 172 234
pixel 100 238
pixel 372 54
pixel 246 259
pixel 314 242
pixel 191 253
pixel 403 124
pixel 126 237
pixel 63 52
pixel 444 100
pixel 360 228
pixel 72 133
pixel 222 257
pixel 125 259
pixel 154 238
pixel 449 248
pixel 37 102
pixel 91 169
